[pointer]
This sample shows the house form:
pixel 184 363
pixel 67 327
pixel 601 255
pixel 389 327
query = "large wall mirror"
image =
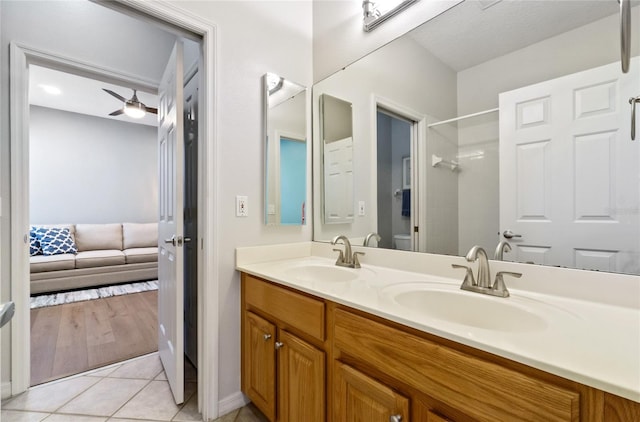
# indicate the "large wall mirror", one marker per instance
pixel 286 151
pixel 469 131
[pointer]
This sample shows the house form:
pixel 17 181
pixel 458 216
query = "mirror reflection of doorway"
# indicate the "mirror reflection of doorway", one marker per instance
pixel 394 181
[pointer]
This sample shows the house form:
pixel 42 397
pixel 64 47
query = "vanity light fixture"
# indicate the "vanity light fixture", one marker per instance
pixel 377 12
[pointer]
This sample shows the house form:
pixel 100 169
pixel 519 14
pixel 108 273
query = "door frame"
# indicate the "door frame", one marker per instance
pixel 21 56
pixel 418 163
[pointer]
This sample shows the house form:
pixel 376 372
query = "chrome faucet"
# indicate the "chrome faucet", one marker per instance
pixel 484 285
pixel 502 247
pixel 346 259
pixel 476 253
pixel 369 236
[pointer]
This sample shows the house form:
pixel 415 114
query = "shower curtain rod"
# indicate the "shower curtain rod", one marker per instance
pixel 455 119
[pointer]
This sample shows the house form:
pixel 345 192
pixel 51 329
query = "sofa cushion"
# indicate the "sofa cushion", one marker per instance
pixel 56 241
pixel 136 255
pixel 34 243
pixel 44 263
pixel 139 235
pixel 102 258
pixel 94 237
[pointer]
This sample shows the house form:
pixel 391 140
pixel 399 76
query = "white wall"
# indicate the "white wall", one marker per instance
pixel 86 169
pixel 77 29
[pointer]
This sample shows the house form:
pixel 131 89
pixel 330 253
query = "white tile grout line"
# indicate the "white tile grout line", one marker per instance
pixel 112 416
pixel 82 374
pixel 117 364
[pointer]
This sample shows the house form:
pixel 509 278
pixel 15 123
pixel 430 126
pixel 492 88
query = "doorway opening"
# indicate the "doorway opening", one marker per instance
pixel 398 135
pixel 93 297
pixel 195 132
pixel 394 141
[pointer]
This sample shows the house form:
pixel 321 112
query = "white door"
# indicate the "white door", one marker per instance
pixel 338 181
pixel 170 224
pixel 566 160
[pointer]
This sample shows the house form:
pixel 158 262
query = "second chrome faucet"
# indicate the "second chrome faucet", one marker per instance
pixel 346 259
pixel 483 283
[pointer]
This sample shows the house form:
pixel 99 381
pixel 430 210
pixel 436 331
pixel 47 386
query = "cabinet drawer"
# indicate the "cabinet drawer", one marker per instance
pixel 481 389
pixel 293 309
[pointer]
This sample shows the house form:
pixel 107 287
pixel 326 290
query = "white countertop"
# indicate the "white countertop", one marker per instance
pixel 590 337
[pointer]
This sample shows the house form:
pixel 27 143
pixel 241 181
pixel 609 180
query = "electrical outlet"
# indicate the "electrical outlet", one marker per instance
pixel 242 206
pixel 361 208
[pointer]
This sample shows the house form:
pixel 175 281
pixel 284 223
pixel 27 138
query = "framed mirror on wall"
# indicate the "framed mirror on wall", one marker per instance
pixel 527 135
pixel 285 128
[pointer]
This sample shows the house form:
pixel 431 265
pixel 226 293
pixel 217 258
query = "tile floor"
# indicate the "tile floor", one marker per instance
pixel 133 391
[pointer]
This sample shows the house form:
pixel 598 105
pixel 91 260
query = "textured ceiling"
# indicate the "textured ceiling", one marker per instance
pixel 476 31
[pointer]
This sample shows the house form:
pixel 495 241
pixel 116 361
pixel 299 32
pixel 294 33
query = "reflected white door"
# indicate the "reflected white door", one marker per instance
pixel 569 182
pixel 338 179
pixel 170 225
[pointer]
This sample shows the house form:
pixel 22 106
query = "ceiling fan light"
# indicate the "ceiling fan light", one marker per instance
pixel 50 89
pixel 135 111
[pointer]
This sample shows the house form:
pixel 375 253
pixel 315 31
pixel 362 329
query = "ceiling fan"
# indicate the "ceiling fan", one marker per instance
pixel 131 107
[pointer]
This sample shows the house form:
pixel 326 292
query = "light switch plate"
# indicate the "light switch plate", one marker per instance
pixel 242 206
pixel 361 208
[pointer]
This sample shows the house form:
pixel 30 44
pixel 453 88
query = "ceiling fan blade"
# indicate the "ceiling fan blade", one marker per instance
pixel 118 96
pixel 117 112
pixel 151 110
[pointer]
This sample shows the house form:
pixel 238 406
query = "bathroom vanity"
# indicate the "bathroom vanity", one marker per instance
pixel 326 343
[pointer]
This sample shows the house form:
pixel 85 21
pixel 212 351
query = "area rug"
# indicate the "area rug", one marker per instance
pixel 88 294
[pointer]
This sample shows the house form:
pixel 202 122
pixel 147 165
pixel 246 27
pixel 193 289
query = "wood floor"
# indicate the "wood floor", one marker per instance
pixel 76 337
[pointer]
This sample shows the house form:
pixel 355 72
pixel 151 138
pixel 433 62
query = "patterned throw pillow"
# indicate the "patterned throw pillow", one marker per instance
pixel 34 243
pixel 56 241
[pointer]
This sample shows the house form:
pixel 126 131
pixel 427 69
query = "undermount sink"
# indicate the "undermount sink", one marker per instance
pixel 449 303
pixel 325 273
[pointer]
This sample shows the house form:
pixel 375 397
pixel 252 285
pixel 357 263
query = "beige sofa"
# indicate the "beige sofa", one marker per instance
pixel 107 254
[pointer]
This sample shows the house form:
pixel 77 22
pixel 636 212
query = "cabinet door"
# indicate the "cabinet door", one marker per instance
pixel 361 398
pixel 301 374
pixel 259 363
pixel 434 417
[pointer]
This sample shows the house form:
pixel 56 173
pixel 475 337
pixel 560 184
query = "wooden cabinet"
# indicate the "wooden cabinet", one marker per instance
pixel 283 361
pixel 312 360
pixel 301 373
pixel 259 363
pixel 358 397
pixel 480 389
pixel 434 417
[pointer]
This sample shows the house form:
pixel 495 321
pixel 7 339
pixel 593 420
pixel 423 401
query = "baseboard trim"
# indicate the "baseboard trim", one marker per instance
pixel 5 390
pixel 231 403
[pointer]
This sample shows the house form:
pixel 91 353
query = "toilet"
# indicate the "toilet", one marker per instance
pixel 402 241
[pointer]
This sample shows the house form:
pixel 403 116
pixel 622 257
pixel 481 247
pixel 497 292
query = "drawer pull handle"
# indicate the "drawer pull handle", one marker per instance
pixel 395 418
pixel 279 344
pixel 266 337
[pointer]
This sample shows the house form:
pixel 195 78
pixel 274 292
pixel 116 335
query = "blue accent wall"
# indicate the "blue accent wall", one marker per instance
pixel 293 181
